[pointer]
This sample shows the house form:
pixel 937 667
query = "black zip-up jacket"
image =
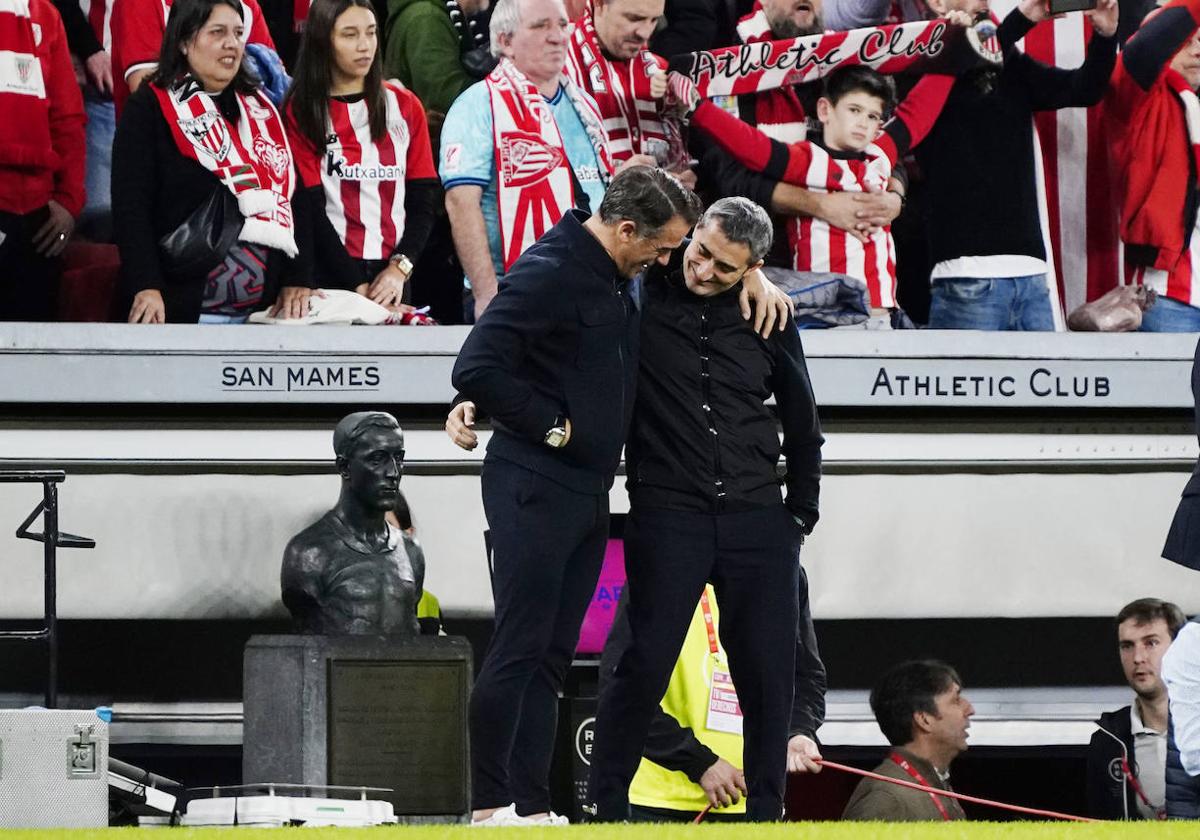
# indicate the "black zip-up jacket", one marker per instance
pixel 702 438
pixel 560 338
pixel 674 746
pixel 979 158
pixel 1106 785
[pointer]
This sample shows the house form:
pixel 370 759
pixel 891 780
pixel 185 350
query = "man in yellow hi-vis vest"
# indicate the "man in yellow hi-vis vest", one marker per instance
pixel 693 753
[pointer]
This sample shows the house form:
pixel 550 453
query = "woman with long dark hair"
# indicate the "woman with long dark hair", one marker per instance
pixel 201 132
pixel 362 147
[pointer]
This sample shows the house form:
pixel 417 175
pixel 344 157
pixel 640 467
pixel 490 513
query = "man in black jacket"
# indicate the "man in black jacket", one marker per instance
pixel 1127 754
pixel 985 238
pixel 705 504
pixel 554 362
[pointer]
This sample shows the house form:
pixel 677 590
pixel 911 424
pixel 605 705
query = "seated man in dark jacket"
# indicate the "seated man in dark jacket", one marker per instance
pixel 1127 755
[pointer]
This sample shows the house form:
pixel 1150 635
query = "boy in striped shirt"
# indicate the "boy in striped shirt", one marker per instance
pixel 855 153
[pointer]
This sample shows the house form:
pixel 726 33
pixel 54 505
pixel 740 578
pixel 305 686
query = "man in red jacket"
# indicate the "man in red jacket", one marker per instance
pixel 1154 120
pixel 41 157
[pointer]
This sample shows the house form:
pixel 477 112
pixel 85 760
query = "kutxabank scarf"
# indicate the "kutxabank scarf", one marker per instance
pixel 922 46
pixel 252 158
pixel 532 171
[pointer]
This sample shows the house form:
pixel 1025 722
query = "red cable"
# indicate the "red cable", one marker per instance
pixel 1037 812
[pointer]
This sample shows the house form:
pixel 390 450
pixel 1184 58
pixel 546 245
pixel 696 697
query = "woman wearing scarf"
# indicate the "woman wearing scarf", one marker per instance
pixel 362 148
pixel 201 125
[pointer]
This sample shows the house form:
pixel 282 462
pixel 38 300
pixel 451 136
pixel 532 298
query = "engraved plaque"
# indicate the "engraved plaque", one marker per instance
pixel 400 725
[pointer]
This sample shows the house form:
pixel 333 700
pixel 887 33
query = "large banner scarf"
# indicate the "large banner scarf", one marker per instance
pixel 922 46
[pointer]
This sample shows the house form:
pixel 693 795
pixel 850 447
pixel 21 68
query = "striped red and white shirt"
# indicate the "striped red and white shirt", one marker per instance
pixel 816 245
pixel 363 179
pixel 99 17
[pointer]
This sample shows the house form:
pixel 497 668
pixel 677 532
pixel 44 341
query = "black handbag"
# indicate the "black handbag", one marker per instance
pixel 203 239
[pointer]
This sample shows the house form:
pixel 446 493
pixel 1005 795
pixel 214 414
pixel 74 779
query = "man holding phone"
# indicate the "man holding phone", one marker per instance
pixel 985 234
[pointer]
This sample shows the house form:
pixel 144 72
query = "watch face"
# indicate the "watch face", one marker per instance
pixel 556 437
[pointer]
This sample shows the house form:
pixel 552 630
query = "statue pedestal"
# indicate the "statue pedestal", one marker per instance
pixel 378 711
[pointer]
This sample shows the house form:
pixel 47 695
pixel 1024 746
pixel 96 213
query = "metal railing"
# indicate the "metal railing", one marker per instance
pixel 51 539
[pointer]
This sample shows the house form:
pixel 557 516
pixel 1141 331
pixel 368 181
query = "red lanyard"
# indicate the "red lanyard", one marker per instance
pixel 1159 813
pixel 708 622
pixel 919 779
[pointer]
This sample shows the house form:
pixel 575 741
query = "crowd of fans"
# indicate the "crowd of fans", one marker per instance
pixel 203 160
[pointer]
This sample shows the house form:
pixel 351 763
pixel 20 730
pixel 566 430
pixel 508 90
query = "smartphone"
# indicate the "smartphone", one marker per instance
pixel 1058 7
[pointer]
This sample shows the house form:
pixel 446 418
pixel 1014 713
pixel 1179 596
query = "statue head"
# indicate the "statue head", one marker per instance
pixel 369 447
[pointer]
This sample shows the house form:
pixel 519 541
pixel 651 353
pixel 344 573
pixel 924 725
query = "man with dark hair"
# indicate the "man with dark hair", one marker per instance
pixel 924 715
pixel 554 360
pixel 985 236
pixel 1127 755
pixel 705 505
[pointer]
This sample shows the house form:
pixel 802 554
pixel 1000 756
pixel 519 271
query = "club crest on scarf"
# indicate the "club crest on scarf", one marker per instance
pixel 525 159
pixel 274 156
pixel 208 133
pixel 24 69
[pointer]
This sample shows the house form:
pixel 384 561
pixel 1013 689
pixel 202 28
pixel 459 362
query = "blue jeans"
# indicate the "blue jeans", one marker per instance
pixel 1168 315
pixel 991 303
pixel 96 220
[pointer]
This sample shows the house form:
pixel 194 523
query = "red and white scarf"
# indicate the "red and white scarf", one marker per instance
pixel 25 127
pixel 532 171
pixel 926 46
pixel 778 113
pixel 1191 112
pixel 253 158
pixel 621 89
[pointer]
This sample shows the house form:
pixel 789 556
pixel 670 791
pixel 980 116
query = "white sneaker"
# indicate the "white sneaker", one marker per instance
pixel 550 819
pixel 507 817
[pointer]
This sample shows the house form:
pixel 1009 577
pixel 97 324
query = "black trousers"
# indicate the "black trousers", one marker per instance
pixel 28 281
pixel 752 559
pixel 547 548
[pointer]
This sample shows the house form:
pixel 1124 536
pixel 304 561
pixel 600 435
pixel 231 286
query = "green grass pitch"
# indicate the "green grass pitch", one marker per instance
pixel 786 831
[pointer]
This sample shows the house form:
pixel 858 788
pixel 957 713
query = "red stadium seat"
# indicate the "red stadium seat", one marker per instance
pixel 89 279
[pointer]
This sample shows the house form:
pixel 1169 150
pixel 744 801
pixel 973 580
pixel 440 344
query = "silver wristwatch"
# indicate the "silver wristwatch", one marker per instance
pixel 556 437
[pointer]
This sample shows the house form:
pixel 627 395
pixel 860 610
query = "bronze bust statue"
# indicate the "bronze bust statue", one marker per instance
pixel 349 572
